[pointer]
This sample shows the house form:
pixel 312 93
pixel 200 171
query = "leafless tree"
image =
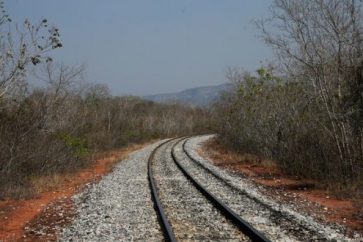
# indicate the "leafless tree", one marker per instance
pixel 21 47
pixel 320 42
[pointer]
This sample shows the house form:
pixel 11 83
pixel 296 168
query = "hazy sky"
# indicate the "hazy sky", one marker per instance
pixel 152 46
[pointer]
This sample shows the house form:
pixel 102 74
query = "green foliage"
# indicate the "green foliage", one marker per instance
pixel 77 145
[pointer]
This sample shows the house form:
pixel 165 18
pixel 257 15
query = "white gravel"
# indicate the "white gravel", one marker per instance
pixel 191 215
pixel 119 207
pixel 277 221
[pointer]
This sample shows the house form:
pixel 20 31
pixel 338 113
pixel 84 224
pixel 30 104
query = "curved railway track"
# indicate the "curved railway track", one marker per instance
pixel 167 221
pixel 169 235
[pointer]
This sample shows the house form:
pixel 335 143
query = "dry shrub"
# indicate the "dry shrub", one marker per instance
pixel 279 120
pixel 41 139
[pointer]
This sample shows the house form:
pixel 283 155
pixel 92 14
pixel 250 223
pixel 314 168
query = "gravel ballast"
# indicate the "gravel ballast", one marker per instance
pixel 191 215
pixel 119 207
pixel 278 222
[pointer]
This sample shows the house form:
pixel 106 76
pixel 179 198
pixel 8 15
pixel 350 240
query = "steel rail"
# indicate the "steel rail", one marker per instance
pixel 243 225
pixel 168 231
pixel 216 176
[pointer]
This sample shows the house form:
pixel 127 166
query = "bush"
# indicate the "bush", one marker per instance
pixel 280 120
pixel 44 134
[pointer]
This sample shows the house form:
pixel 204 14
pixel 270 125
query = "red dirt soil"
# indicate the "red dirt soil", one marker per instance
pixel 304 194
pixel 36 219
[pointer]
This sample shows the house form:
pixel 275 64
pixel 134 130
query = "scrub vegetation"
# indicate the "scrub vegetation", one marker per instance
pixel 58 126
pixel 306 111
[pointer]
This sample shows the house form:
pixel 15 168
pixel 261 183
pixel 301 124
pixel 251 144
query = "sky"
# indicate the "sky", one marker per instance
pixel 142 47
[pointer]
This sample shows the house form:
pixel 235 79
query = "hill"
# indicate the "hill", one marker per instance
pixel 198 96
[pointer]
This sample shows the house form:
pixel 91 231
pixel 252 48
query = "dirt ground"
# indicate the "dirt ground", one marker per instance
pixel 304 194
pixel 40 218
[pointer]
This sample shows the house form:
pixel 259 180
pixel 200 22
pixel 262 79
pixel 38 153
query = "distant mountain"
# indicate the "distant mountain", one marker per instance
pixel 199 96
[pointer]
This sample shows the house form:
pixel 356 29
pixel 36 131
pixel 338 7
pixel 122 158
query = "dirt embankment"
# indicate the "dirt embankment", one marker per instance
pixel 40 218
pixel 322 203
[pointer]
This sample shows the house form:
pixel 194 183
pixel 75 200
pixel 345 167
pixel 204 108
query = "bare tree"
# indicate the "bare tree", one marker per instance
pixel 320 42
pixel 21 46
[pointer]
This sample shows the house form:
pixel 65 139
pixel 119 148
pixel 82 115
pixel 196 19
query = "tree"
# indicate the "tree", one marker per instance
pixel 320 42
pixel 21 47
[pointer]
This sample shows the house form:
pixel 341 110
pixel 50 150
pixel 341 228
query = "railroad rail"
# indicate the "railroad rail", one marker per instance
pixel 168 231
pixel 242 225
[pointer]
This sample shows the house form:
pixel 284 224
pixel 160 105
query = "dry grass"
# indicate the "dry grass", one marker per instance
pixel 226 154
pixel 15 190
pixel 108 159
pixel 50 182
pixel 54 189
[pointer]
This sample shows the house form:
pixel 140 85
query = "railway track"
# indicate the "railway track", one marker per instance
pixel 187 210
pixel 192 204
